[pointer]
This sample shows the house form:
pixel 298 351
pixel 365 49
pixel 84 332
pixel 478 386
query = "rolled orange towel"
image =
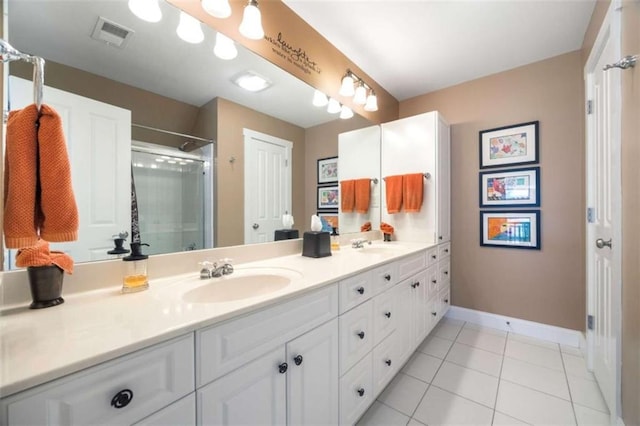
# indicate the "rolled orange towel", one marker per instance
pixel 39 255
pixel 347 195
pixel 386 228
pixel 58 204
pixel 20 178
pixel 412 192
pixel 363 195
pixel 393 192
pixel 365 227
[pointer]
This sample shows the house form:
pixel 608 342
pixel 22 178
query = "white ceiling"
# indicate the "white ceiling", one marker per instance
pixel 415 47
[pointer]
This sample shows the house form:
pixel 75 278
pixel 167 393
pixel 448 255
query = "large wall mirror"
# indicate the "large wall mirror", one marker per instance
pixel 173 107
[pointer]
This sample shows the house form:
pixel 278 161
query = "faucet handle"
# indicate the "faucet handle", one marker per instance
pixel 227 267
pixel 206 268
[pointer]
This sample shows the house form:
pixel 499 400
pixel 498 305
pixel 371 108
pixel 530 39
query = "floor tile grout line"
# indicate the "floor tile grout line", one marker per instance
pixel 536 365
pixel 537 390
pixel 389 406
pixel 566 377
pixel 480 349
pixel 590 408
pixel 495 402
pixel 463 397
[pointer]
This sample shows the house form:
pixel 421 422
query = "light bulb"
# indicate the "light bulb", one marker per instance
pixel 147 10
pixel 372 102
pixel 346 112
pixel 225 48
pixel 251 25
pixel 333 107
pixel 319 99
pixel 346 88
pixel 189 29
pixel 217 8
pixel 360 96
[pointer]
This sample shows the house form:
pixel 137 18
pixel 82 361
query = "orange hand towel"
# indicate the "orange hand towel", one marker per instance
pixel 347 195
pixel 365 227
pixel 363 195
pixel 393 189
pixel 412 189
pixel 20 178
pixel 57 204
pixel 39 255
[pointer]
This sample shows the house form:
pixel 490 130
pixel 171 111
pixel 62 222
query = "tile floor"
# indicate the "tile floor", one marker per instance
pixel 464 374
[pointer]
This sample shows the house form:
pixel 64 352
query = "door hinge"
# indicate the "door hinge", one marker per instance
pixel 590 322
pixel 589 107
pixel 591 214
pixel 286 163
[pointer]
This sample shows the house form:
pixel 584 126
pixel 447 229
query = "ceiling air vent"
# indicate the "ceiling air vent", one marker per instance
pixel 111 33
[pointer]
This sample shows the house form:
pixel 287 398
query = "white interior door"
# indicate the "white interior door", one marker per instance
pixel 267 185
pixel 604 202
pixel 99 145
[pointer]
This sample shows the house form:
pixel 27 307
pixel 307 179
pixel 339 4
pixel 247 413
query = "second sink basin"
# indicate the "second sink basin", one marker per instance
pixel 242 284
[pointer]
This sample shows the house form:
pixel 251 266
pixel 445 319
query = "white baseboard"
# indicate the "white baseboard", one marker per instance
pixel 550 333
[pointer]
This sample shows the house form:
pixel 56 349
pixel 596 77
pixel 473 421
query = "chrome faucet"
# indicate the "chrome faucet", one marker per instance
pixel 213 270
pixel 359 243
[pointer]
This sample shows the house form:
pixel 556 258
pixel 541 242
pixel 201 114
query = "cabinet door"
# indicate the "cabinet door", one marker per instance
pixel 444 183
pixel 254 394
pixel 312 379
pixel 404 329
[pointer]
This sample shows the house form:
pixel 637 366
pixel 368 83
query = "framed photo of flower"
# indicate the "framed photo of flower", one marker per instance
pixel 509 145
pixel 328 170
pixel 514 187
pixel 514 229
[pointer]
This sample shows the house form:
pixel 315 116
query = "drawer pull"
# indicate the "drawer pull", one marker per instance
pixel 446 300
pixel 388 362
pixel 416 284
pixel 387 277
pixel 434 313
pixel 446 250
pixel 446 272
pixel 361 391
pixel 387 314
pixel 360 290
pixel 434 281
pixel 122 398
pixel 440 237
pixel 282 368
pixel 361 335
pixel 298 359
pixel 433 256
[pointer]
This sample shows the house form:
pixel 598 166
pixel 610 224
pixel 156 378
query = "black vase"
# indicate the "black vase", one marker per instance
pixel 46 286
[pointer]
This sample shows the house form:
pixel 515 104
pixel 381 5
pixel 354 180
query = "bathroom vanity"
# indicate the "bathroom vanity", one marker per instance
pixel 317 350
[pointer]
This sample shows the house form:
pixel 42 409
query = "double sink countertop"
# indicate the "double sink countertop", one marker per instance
pixel 91 327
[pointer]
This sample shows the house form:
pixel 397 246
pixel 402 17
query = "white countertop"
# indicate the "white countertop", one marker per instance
pixel 37 346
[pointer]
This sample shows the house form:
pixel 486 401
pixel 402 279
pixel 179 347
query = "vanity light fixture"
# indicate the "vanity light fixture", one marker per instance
pixel 217 8
pixel 319 99
pixel 333 107
pixel 147 10
pixel 360 96
pixel 251 25
pixel 346 112
pixel 225 48
pixel 189 29
pixel 372 102
pixel 363 94
pixel 346 88
pixel 251 81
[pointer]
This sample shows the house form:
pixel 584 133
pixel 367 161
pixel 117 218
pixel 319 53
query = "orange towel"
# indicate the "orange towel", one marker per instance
pixel 39 255
pixel 412 190
pixel 365 227
pixel 347 195
pixel 39 200
pixel 363 194
pixel 393 189
pixel 386 228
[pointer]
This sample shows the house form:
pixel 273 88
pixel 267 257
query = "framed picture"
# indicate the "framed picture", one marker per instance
pixel 331 217
pixel 519 187
pixel 510 145
pixel 328 197
pixel 328 170
pixel 516 229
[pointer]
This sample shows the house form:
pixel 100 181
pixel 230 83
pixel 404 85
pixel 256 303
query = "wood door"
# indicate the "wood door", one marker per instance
pixel 99 145
pixel 267 185
pixel 604 202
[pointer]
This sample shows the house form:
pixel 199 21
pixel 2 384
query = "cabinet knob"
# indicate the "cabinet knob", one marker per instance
pixel 440 237
pixel 388 362
pixel 434 313
pixel 361 391
pixel 434 281
pixel 433 256
pixel 446 272
pixel 387 314
pixel 446 250
pixel 122 398
pixel 387 277
pixel 360 290
pixel 416 284
pixel 446 300
pixel 361 334
pixel 298 359
pixel 282 368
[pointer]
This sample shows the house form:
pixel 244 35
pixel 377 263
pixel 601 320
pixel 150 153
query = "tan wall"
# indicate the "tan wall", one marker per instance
pixel 232 118
pixel 630 217
pixel 546 286
pixel 321 142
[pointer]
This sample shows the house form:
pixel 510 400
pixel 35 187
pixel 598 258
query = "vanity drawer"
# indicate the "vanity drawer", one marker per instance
pixel 444 297
pixel 121 391
pixel 443 273
pixel 356 335
pixel 384 277
pixel 181 413
pixel 356 391
pixel 432 281
pixel 385 315
pixel 444 250
pixel 222 348
pixel 355 290
pixel 386 362
pixel 411 265
pixel 432 256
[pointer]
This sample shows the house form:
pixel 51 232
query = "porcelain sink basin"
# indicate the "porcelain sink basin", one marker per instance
pixel 242 284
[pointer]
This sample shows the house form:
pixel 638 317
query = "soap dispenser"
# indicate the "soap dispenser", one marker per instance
pixel 135 270
pixel 335 240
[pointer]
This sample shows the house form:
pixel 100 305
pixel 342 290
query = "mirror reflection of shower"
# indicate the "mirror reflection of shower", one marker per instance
pixel 174 187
